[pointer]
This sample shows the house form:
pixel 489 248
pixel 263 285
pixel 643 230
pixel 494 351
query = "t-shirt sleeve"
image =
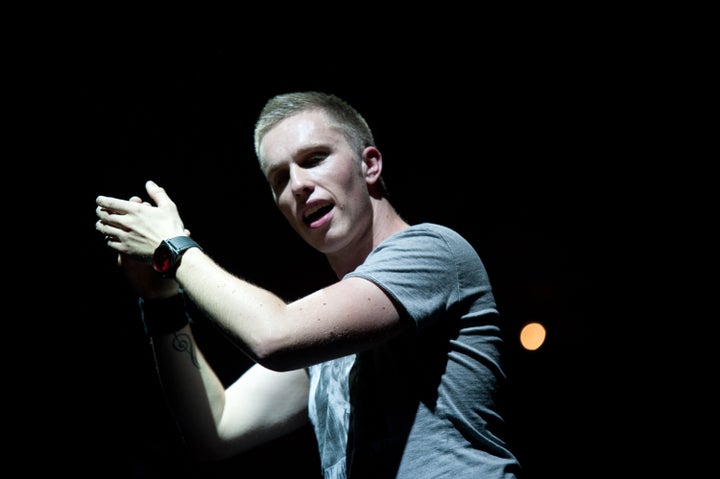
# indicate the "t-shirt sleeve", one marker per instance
pixel 426 270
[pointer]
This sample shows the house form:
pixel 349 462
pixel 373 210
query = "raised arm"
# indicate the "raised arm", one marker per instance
pixel 343 318
pixel 215 422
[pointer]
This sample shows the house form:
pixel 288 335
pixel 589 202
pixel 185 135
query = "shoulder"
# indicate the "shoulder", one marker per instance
pixel 433 233
pixel 432 229
pixel 420 244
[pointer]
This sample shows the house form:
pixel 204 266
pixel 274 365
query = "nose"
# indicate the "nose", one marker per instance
pixel 300 180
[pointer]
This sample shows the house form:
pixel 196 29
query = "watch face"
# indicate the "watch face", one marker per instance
pixel 166 256
pixel 162 259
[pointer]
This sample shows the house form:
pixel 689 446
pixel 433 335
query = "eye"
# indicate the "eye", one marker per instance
pixel 279 179
pixel 312 160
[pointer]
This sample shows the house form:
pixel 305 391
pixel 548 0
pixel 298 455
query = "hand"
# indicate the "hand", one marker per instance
pixel 135 228
pixel 146 282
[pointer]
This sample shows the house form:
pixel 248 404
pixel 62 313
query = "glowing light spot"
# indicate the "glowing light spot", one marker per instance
pixel 532 336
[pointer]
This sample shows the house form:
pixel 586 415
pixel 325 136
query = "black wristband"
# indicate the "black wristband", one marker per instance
pixel 163 316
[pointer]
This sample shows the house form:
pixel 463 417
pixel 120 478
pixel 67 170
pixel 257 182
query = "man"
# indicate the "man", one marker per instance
pixel 397 364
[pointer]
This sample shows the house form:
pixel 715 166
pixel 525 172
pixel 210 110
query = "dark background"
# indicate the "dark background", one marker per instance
pixel 527 150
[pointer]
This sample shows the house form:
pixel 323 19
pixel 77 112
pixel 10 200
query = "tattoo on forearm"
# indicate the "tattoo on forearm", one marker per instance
pixel 181 342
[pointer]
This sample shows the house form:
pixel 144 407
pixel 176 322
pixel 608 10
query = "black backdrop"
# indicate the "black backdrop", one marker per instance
pixel 515 152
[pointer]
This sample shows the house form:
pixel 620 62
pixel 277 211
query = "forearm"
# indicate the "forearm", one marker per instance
pixel 254 318
pixel 340 319
pixel 193 392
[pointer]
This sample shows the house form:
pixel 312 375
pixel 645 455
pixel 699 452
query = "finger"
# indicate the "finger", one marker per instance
pixel 158 194
pixel 109 217
pixel 118 244
pixel 109 230
pixel 112 205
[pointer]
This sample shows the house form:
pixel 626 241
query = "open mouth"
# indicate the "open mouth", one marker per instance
pixel 317 214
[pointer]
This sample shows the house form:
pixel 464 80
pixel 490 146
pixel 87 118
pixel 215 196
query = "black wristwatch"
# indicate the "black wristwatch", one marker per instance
pixel 167 256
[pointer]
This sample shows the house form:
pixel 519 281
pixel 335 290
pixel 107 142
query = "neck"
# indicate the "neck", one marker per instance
pixel 384 223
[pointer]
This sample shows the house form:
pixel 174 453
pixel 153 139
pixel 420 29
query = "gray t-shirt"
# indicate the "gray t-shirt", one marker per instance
pixel 422 405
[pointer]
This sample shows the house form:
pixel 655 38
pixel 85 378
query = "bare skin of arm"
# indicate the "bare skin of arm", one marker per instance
pixel 348 316
pixel 217 422
pixel 270 399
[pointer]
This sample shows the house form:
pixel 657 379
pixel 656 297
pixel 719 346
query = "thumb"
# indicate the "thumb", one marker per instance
pixel 157 193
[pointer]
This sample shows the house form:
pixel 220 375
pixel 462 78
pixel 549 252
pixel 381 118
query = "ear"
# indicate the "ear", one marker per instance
pixel 372 165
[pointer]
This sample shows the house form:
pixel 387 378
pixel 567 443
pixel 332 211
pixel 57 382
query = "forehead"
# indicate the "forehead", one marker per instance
pixel 303 131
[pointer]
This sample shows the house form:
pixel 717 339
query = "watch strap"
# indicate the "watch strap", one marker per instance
pixel 178 244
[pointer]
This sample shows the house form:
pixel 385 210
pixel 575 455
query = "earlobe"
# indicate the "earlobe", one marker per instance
pixel 372 164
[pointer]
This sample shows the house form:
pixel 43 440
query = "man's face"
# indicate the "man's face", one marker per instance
pixel 317 184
